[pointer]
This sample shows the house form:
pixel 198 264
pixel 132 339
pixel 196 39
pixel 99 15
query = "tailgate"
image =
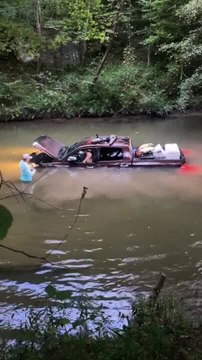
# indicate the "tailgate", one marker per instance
pixel 48 145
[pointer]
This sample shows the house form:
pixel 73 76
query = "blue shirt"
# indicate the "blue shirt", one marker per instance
pixel 25 172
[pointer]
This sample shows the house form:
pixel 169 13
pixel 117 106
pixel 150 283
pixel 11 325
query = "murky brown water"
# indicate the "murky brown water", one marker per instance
pixel 133 223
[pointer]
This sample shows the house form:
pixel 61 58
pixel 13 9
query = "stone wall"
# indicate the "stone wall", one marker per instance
pixel 67 55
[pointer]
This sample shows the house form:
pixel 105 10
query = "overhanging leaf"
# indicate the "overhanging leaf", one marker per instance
pixel 62 322
pixel 52 292
pixel 6 220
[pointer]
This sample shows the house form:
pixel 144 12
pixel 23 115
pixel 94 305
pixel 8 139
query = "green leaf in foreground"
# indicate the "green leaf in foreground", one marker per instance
pixel 6 220
pixel 52 292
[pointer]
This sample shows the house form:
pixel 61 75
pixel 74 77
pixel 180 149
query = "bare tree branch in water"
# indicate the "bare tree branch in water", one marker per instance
pixel 23 253
pixel 83 194
pixel 11 186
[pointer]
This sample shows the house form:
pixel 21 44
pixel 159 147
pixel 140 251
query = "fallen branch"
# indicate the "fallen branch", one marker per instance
pixel 158 287
pixel 9 184
pixel 23 253
pixel 83 194
pixel 137 316
pixel 12 187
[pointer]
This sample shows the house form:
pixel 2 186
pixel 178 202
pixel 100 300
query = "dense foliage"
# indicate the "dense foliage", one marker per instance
pixel 153 62
pixel 157 330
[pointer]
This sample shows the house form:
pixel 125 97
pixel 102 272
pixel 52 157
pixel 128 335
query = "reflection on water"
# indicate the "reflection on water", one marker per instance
pixel 133 223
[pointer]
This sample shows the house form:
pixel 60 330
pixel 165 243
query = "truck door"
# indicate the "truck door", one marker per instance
pixel 110 156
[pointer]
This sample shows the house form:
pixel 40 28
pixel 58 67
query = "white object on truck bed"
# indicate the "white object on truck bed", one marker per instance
pixel 172 152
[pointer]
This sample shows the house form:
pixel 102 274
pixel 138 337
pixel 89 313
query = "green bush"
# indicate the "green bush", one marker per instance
pixel 190 91
pixel 124 89
pixel 157 331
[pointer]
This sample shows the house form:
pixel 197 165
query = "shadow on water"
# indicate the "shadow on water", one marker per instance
pixel 63 186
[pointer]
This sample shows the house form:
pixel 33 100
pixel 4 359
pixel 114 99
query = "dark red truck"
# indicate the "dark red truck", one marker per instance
pixel 105 151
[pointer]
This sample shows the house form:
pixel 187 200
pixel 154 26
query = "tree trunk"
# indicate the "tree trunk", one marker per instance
pixel 149 45
pixel 149 55
pixel 113 33
pixel 38 17
pixel 37 4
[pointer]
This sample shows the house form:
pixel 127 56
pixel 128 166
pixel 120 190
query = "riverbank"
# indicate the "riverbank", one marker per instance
pixel 157 330
pixel 121 90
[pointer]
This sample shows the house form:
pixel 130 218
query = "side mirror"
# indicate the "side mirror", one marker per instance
pixel 72 158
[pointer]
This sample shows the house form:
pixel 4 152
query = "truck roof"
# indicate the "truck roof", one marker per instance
pixel 119 141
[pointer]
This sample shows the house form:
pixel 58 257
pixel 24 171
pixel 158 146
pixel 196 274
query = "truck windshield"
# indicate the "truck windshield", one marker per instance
pixel 72 148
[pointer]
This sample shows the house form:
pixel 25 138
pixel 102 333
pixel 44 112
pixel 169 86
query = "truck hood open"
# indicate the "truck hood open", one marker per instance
pixel 48 145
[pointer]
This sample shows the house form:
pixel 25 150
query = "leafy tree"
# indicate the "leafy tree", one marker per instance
pixel 187 53
pixel 17 28
pixel 159 25
pixel 76 20
pixel 27 27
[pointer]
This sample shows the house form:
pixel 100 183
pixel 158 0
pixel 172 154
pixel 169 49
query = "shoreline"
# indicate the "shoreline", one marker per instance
pixel 119 117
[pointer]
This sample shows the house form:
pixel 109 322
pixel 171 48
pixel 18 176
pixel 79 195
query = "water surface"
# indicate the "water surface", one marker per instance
pixel 133 223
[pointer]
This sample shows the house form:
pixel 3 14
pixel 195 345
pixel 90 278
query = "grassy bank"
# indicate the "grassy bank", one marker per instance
pixel 123 89
pixel 156 331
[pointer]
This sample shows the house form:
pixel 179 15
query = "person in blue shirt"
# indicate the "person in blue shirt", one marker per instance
pixel 26 171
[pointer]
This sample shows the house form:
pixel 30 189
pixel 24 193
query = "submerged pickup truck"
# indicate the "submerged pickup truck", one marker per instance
pixel 105 151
